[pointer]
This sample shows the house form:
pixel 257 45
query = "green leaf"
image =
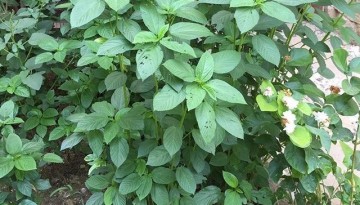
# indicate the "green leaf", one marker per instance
pixel 344 7
pixel 151 18
pixel 278 11
pixel 194 96
pixel 226 92
pixel 304 108
pixel 27 202
pixel 130 184
pixel 162 175
pixel 160 195
pixel 6 165
pixel 205 117
pixel 242 3
pixel 340 59
pixel 128 28
pixel 24 187
pixel 52 158
pixel 300 57
pixel 110 131
pixel 87 59
pixel 103 108
pixel 145 37
pixel 208 195
pixel 43 58
pixel 145 187
pixel 50 113
pixel 71 141
pixel 265 104
pixel 117 4
pixel 311 159
pixel 266 48
pixel 295 2
pixel 114 46
pixel 309 182
pixel 189 31
pixel 180 69
pixel 185 179
pixel 119 150
pixel 324 137
pixel 230 179
pixel 13 144
pixel 354 65
pixel 296 158
pixel 119 199
pixel 57 133
pixel 233 198
pixel 98 182
pixel 226 61
pixel 7 109
pixel 158 156
pixel 109 195
pixel 95 140
pixel 49 45
pixel 120 98
pixel 199 140
pixel 34 81
pixel 25 163
pixel 148 61
pixel 191 14
pixel 301 137
pixel 167 99
pixel 172 139
pixel 115 80
pixel 205 68
pixel 31 123
pixel 96 199
pixel 178 47
pixel 228 120
pixel 85 11
pixel 246 19
pixel 92 121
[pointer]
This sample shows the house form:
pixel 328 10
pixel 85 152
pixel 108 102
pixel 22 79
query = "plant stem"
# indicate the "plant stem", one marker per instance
pixel 352 181
pixel 293 29
pixel 336 22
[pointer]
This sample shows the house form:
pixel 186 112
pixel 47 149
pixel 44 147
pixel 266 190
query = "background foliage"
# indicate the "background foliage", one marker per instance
pixel 177 101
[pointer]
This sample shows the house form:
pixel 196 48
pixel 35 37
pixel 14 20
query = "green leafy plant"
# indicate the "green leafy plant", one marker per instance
pixel 178 101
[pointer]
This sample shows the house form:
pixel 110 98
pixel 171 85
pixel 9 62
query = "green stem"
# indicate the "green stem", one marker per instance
pixel 293 29
pixel 336 22
pixel 352 180
pixel 183 115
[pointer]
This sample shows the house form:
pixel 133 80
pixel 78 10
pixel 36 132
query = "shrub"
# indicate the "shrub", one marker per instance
pixel 177 101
